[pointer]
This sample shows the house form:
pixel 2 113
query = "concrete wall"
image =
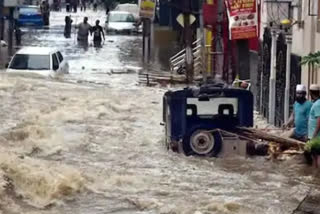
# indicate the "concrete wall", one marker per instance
pixel 306 38
pixel 4 57
pixel 4 52
pixel 164 47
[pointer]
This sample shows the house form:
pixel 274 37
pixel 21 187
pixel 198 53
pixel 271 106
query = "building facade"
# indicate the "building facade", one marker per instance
pixel 274 64
pixel 306 36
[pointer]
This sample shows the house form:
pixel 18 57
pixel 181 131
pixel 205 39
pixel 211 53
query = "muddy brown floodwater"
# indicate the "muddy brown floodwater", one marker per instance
pixel 91 143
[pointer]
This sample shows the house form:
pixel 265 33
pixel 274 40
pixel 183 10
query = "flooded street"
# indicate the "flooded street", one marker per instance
pixel 119 54
pixel 91 143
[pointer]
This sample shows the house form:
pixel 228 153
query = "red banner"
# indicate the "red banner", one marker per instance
pixel 243 19
pixel 210 14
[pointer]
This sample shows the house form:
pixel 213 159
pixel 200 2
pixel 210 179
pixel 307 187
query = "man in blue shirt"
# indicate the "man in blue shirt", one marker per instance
pixel 313 124
pixel 314 118
pixel 300 115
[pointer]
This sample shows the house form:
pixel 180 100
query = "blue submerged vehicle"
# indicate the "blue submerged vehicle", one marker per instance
pixel 30 15
pixel 201 121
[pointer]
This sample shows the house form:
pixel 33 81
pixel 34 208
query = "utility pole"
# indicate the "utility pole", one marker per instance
pixel 288 75
pixel 218 67
pixel 272 85
pixel 188 41
pixel 147 15
pixel 209 45
pixel 203 43
pixel 10 35
pixel 146 40
pixel 1 21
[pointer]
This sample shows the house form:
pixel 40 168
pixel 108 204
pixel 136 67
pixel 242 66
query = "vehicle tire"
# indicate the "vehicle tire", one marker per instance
pixel 200 142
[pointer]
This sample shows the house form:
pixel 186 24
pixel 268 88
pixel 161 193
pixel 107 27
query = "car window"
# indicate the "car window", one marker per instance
pixel 55 62
pixel 120 17
pixel 60 57
pixel 30 62
pixel 28 10
pixel 211 107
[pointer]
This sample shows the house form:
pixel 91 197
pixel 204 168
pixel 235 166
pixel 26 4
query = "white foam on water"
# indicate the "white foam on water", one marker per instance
pixel 110 143
pixel 40 183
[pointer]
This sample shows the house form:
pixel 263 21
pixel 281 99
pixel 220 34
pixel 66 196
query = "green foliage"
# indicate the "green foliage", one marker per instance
pixel 313 145
pixel 312 58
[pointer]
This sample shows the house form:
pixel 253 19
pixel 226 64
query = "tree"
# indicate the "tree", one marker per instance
pixel 311 59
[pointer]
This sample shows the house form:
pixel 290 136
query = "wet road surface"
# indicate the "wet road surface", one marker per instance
pixel 91 143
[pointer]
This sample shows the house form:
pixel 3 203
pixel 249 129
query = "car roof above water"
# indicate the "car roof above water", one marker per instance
pixel 119 12
pixel 22 8
pixel 37 50
pixel 132 8
pixel 29 6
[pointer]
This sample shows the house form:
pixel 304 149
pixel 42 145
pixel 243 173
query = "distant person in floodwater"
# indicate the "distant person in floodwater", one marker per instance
pixel 18 35
pixel 98 34
pixel 74 5
pixel 106 6
pixel 68 5
pixel 45 11
pixel 83 32
pixel 83 5
pixel 67 27
pixel 95 5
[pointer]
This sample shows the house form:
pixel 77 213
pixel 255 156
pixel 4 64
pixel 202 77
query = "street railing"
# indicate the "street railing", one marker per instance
pixel 177 68
pixel 178 63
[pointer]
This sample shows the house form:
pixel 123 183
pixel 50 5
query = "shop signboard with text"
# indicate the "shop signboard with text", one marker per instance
pixel 147 8
pixel 243 19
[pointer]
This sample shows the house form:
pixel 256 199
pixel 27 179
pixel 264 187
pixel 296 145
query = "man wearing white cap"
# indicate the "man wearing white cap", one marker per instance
pixel 300 115
pixel 314 118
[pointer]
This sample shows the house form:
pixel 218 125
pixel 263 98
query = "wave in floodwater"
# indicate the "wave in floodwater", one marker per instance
pixel 72 148
pixel 38 183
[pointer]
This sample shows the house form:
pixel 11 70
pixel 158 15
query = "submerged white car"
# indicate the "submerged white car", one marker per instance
pixel 131 8
pixel 39 60
pixel 121 22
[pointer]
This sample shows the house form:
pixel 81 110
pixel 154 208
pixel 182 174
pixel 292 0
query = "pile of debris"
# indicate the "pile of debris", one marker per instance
pixel 262 143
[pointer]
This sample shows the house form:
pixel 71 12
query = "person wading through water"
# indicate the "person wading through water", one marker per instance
pixel 83 32
pixel 95 5
pixel 97 31
pixel 83 5
pixel 300 115
pixel 67 27
pixel 45 11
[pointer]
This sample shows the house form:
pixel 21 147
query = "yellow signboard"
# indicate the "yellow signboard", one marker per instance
pixel 147 8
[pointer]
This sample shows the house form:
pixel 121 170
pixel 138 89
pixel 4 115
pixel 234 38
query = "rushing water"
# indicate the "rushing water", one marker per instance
pixel 91 143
